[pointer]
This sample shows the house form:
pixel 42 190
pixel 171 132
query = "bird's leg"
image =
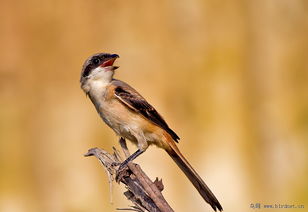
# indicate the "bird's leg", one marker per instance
pixel 121 172
pixel 131 158
pixel 122 142
pixel 142 146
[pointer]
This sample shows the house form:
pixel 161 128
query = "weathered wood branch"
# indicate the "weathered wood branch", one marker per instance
pixel 141 191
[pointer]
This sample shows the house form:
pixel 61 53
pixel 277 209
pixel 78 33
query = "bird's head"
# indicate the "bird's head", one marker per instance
pixel 98 67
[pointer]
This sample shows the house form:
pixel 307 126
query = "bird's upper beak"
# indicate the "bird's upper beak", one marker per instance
pixel 110 61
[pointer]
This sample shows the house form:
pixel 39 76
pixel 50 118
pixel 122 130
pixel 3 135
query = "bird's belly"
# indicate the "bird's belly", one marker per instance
pixel 130 125
pixel 125 123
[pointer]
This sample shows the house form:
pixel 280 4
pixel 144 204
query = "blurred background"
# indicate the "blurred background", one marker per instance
pixel 231 78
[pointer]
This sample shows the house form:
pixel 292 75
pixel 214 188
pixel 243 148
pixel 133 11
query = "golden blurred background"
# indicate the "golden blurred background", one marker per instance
pixel 230 77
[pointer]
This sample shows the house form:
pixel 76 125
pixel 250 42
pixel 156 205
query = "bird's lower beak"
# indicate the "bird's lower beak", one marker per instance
pixel 110 61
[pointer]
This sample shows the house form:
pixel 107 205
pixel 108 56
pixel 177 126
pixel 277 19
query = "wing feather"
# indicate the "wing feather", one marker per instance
pixel 131 98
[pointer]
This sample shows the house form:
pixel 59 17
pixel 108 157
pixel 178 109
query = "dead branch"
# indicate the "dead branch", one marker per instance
pixel 141 191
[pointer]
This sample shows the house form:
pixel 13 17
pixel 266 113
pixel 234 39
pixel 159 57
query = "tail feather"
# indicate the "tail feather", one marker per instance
pixel 194 178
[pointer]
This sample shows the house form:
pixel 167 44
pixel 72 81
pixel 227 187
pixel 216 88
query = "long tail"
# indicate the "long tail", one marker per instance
pixel 193 176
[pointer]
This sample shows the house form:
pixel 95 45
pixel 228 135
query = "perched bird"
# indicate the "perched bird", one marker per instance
pixel 131 117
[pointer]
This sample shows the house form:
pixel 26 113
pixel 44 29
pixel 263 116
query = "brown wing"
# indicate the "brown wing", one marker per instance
pixel 131 98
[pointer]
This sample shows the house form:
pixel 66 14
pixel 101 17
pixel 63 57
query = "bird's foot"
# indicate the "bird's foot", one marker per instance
pixel 121 172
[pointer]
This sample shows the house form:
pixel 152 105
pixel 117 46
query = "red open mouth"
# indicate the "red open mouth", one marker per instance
pixel 108 62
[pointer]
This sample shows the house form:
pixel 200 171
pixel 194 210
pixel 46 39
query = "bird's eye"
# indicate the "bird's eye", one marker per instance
pixel 96 61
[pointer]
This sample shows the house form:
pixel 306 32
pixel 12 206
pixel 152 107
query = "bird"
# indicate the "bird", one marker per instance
pixel 131 117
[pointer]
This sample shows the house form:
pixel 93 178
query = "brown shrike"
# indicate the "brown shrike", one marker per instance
pixel 125 111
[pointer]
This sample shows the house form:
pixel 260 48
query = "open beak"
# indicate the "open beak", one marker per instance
pixel 110 61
